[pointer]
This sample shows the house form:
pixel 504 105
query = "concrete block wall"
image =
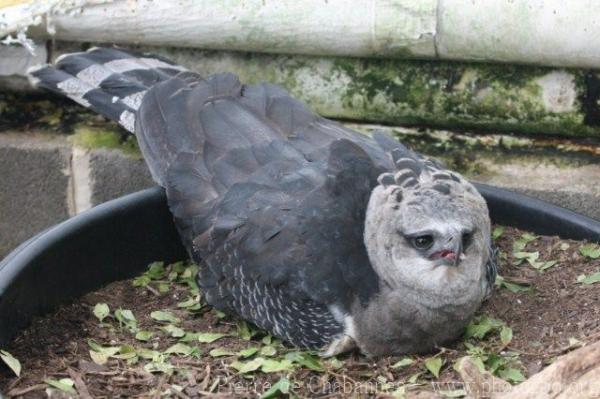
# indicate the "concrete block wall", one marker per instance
pixel 45 179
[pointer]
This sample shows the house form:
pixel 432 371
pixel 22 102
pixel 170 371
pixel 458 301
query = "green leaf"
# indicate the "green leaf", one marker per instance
pixel 126 318
pixel 218 352
pixel 274 366
pixel 141 281
pixel 64 384
pixel 591 251
pixel 165 316
pixel 159 367
pixel 108 350
pixel 407 361
pixel 334 363
pixel 156 271
pixel 545 265
pixel 506 335
pixel 530 257
pixel 267 340
pixel 248 367
pixel 413 378
pixel 434 365
pixel 248 352
pixel 511 375
pixel 98 357
pixel 497 233
pixel 591 279
pixel 482 327
pixel 101 311
pixel 11 362
pixel 306 360
pixel 520 244
pixel 511 286
pixel 149 354
pixel 244 331
pixel 144 335
pixel 207 338
pixel 281 387
pixel 526 255
pixel 173 331
pixel 478 363
pixel 179 349
pixel 219 314
pixel 163 288
pixel 126 352
pixel 190 304
pixel 268 351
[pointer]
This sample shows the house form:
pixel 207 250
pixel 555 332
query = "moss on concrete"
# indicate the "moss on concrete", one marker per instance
pixel 93 137
pixel 475 155
pixel 57 115
pixel 505 98
pixel 437 94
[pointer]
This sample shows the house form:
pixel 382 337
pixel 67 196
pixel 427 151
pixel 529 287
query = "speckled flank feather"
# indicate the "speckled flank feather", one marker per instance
pixel 302 323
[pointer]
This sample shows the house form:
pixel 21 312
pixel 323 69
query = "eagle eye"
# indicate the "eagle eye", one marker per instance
pixel 423 242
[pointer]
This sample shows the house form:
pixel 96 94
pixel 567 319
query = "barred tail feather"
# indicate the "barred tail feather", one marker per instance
pixel 109 81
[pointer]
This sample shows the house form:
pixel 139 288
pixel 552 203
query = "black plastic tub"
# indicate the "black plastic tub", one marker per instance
pixel 120 238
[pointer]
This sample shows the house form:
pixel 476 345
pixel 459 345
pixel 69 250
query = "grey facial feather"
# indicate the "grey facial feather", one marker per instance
pixel 420 295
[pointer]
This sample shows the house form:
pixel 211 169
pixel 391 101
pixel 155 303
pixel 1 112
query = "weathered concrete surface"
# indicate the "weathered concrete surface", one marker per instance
pixel 34 186
pixel 15 60
pixel 42 183
pixel 113 174
pixel 574 187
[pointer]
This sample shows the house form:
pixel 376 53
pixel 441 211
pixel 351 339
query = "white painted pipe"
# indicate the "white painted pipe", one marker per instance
pixel 545 32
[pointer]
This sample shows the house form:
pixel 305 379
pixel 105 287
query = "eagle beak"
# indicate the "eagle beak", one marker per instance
pixel 449 256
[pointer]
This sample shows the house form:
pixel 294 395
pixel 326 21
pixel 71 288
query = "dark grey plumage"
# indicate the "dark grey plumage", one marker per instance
pixel 269 198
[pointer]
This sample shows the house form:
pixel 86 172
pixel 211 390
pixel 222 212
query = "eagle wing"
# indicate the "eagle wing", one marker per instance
pixel 269 198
